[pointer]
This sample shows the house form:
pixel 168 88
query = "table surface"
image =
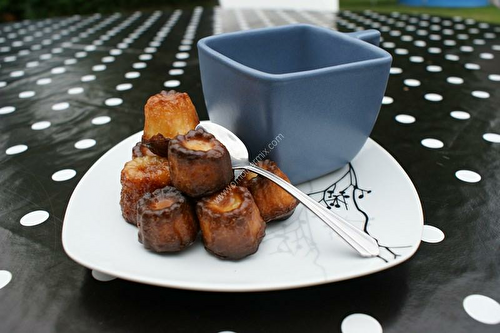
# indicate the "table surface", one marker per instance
pixel 71 88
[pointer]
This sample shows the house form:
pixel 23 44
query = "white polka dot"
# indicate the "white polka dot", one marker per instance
pixel 71 61
pixel 487 56
pixel 420 43
pixel 139 65
pixel 416 59
pixel 108 59
pixel 5 277
pixel 496 47
pixel 460 115
pixel 387 100
pixel 41 125
pixel 182 55
pixel 179 64
pixel 150 49
pixel 412 82
pixel 87 78
pixel 449 42
pixel 433 97
pixel 17 73
pixel 80 54
pixel 75 90
pixel 43 81
pixel 432 234
pixel 85 144
pixel 16 149
pixel 184 48
pixel 63 175
pixel 58 70
pixel 480 94
pixel 434 50
pixel 60 106
pixel 34 218
pixel 10 59
pixel 124 86
pixel 396 70
pixel 90 48
pixel 466 48
pixel 46 56
pixel 171 83
pixel 27 94
pixel 389 45
pixel 432 143
pixel 99 276
pixel 113 101
pixel 401 51
pixel 98 68
pixel 452 57
pixel 468 176
pixel 483 309
pixel 472 66
pixel 132 75
pixel 405 119
pixel 494 77
pixel 101 120
pixel 455 80
pixel 115 52
pixel 175 72
pixel 145 57
pixel 434 69
pixel 492 137
pixel 360 323
pixel 7 109
pixel 3 83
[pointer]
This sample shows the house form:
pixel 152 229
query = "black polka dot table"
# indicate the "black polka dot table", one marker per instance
pixel 72 88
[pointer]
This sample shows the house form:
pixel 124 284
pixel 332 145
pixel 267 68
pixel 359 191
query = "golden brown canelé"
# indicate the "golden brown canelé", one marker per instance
pixel 138 177
pixel 166 220
pixel 199 163
pixel 140 150
pixel 166 115
pixel 230 223
pixel 274 202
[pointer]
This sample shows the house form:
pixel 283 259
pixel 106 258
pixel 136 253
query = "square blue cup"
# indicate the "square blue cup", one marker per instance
pixel 304 96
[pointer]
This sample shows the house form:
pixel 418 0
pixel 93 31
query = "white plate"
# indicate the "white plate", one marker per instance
pixel 298 252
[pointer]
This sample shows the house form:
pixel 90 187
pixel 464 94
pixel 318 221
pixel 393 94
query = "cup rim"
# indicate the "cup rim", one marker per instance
pixel 383 56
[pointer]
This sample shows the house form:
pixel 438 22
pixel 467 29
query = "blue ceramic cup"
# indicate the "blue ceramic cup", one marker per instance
pixel 304 96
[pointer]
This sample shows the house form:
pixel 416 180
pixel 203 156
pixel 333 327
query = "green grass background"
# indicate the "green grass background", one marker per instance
pixel 488 14
pixel 13 10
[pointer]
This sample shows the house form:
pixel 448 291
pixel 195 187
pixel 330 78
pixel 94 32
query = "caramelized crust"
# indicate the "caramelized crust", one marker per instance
pixel 139 176
pixel 167 114
pixel 199 163
pixel 166 221
pixel 231 224
pixel 274 203
pixel 140 150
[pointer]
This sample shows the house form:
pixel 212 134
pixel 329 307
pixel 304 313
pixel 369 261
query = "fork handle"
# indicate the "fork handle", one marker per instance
pixel 359 240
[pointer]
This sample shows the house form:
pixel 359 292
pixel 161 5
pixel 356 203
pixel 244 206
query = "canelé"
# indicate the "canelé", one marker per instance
pixel 230 223
pixel 274 202
pixel 138 177
pixel 166 115
pixel 166 220
pixel 140 149
pixel 199 163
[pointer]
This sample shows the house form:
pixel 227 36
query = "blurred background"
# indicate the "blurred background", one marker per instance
pixel 15 10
